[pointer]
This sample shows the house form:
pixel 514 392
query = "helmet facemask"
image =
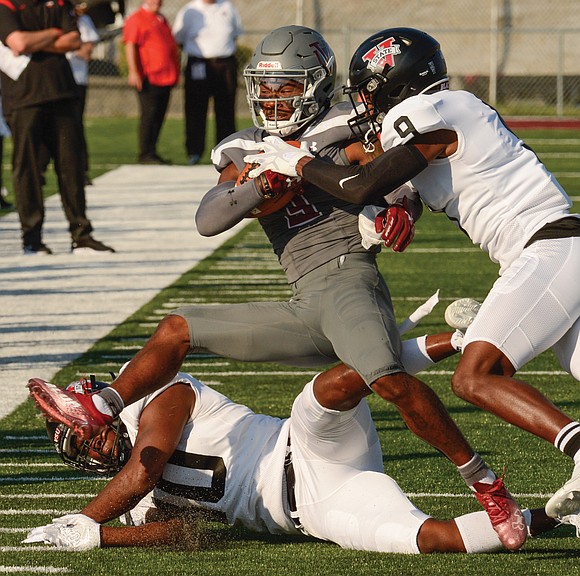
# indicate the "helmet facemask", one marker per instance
pixel 90 455
pixel 87 455
pixel 290 79
pixel 305 103
pixel 366 123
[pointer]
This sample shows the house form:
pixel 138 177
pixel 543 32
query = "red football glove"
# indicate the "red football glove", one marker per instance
pixel 272 184
pixel 396 226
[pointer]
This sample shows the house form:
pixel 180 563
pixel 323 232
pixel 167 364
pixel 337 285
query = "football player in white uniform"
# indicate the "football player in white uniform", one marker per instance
pixel 340 307
pixel 465 162
pixel 319 473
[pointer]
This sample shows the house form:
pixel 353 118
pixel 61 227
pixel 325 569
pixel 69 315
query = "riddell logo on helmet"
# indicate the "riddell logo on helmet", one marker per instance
pixel 382 54
pixel 269 65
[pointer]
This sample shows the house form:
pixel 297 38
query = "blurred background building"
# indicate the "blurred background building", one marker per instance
pixel 521 56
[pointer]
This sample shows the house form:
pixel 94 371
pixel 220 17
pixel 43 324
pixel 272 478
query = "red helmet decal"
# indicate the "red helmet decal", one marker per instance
pixel 321 53
pixel 382 54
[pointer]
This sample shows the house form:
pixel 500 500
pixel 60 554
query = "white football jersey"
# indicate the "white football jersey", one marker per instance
pixel 229 460
pixel 494 187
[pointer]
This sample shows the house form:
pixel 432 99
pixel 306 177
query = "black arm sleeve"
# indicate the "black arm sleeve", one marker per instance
pixel 225 205
pixel 363 184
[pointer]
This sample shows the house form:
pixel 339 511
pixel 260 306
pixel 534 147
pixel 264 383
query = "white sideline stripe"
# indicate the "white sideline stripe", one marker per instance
pixel 523 372
pixel 54 511
pixel 46 495
pixel 25 438
pixel 552 141
pixel 54 308
pixel 451 495
pixel 34 569
pixel 14 512
pixel 33 479
pixel 307 373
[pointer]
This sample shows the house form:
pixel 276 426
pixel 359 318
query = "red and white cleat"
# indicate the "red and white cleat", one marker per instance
pixel 505 515
pixel 77 411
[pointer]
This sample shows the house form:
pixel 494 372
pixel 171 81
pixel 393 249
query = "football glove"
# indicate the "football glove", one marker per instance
pixel 277 156
pixel 74 532
pixel 396 225
pixel 366 226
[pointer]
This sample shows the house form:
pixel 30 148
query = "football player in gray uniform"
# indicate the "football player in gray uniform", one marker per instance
pixel 319 473
pixel 340 307
pixel 465 162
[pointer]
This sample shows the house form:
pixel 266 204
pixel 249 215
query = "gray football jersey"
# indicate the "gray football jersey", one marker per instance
pixel 314 227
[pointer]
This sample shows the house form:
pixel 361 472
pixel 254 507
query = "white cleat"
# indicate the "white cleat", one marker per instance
pixel 566 501
pixel 461 313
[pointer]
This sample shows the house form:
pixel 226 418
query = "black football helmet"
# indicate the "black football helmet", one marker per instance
pixel 86 455
pixel 293 53
pixel 389 67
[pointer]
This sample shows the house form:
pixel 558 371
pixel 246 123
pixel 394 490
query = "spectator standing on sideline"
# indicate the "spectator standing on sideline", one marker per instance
pixel 4 131
pixel 207 31
pixel 153 60
pixel 79 63
pixel 39 97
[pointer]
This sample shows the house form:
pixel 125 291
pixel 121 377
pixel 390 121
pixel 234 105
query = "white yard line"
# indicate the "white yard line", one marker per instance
pixel 54 308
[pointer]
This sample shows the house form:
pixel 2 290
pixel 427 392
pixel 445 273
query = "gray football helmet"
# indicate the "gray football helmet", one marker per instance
pixel 291 53
pixel 86 455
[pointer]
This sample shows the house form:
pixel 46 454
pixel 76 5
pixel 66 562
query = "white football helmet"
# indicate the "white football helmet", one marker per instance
pixel 290 54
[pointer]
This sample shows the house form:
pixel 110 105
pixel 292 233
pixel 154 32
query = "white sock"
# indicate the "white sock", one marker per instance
pixel 457 340
pixel 414 355
pixel 477 533
pixel 102 406
pixel 109 402
pixel 476 470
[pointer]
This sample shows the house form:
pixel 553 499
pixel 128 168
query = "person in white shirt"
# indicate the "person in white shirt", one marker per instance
pixel 465 162
pixel 207 31
pixel 79 63
pixel 319 473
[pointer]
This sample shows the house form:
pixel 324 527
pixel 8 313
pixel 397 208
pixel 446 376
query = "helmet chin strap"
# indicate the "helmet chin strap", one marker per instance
pixel 369 144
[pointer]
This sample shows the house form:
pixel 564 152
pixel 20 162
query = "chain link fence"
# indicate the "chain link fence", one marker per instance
pixel 521 56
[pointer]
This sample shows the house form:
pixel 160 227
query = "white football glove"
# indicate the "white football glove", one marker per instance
pixel 367 229
pixel 278 156
pixel 74 532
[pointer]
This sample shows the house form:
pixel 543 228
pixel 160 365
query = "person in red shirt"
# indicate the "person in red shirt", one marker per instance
pixel 153 60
